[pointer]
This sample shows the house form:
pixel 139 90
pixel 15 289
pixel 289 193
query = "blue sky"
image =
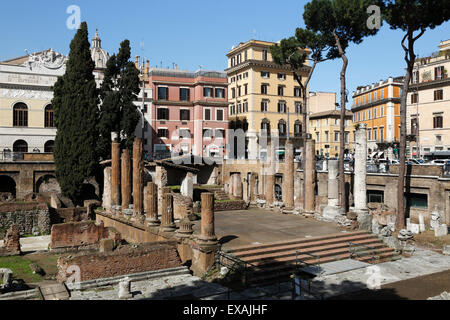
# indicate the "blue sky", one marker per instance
pixel 197 32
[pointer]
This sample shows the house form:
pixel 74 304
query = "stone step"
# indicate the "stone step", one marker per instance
pixel 235 250
pixel 316 249
pixel 54 292
pixel 366 238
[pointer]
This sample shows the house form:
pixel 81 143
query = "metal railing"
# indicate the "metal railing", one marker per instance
pixel 359 251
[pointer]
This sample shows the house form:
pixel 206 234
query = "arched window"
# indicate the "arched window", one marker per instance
pixel 20 146
pixel 265 126
pixel 49 121
pixel 48 147
pixel 298 128
pixel 20 115
pixel 282 127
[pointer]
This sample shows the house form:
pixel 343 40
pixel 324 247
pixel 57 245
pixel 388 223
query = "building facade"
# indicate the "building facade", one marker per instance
pixel 26 114
pixel 428 117
pixel 263 97
pixel 378 106
pixel 189 112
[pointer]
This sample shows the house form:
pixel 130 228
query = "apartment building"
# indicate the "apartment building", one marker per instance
pixel 189 112
pixel 263 97
pixel 428 116
pixel 378 106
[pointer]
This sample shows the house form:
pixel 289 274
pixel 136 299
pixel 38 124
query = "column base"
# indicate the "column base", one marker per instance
pixel 332 212
pixel 169 228
pixel 154 223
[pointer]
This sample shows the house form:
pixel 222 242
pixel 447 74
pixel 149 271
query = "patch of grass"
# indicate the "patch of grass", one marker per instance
pixel 206 186
pixel 174 188
pixel 20 267
pixel 428 239
pixel 46 261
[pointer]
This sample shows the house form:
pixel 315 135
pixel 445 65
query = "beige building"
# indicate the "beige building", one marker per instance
pixel 263 96
pixel 324 125
pixel 428 115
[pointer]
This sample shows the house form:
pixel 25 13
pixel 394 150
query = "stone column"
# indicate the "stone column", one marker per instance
pixel 126 179
pixel 107 189
pixel 288 177
pixel 161 181
pixel 187 186
pixel 309 173
pixel 207 231
pixel 138 185
pixel 270 176
pixel 333 210
pixel 115 174
pixel 167 219
pixel 152 204
pixel 252 188
pixel 360 189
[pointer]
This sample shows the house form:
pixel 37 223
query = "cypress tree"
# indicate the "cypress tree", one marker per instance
pixel 119 89
pixel 76 112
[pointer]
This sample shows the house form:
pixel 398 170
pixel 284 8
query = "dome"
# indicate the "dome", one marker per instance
pixel 99 56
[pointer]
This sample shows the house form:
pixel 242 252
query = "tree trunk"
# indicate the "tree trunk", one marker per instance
pixel 342 193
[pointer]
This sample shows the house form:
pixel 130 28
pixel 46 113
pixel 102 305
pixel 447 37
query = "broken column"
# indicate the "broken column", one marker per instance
pixel 107 189
pixel 138 185
pixel 167 219
pixel 126 179
pixel 270 176
pixel 187 186
pixel 360 188
pixel 11 243
pixel 115 173
pixel 125 289
pixel 309 174
pixel 207 230
pixel 288 178
pixel 152 204
pixel 161 180
pixel 332 210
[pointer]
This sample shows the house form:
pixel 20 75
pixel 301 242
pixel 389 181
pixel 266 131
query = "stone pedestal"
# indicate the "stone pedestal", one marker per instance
pixel 115 173
pixel 288 178
pixel 125 289
pixel 207 231
pixel 167 219
pixel 309 173
pixel 252 187
pixel 270 176
pixel 107 189
pixel 126 179
pixel 138 185
pixel 185 230
pixel 152 204
pixel 332 210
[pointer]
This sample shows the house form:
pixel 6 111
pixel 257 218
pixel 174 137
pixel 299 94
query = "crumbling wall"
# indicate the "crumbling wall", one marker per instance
pixel 124 260
pixel 31 218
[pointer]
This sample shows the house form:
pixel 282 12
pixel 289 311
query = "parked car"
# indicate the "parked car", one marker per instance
pixel 439 162
pixel 413 162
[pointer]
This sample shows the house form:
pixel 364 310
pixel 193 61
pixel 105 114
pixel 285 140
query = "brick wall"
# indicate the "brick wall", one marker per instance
pixel 27 216
pixel 124 260
pixel 76 234
pixel 230 205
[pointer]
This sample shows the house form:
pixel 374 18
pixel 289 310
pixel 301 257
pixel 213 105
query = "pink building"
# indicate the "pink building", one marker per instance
pixel 189 112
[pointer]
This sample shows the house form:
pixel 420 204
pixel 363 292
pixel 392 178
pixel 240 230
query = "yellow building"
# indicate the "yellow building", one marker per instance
pixel 378 106
pixel 324 125
pixel 263 95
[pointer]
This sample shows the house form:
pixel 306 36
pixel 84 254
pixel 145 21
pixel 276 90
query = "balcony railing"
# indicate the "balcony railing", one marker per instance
pixel 11 156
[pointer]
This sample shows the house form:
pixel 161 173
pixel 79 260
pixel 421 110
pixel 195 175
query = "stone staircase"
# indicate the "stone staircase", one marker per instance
pixel 272 262
pixel 220 194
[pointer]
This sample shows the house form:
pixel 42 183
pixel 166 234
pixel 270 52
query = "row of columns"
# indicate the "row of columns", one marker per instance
pixel 122 187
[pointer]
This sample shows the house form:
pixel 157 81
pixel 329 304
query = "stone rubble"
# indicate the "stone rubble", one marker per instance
pixel 443 296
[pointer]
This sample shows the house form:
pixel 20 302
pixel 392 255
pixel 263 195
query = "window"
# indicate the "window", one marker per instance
pixel 326 136
pixel 265 126
pixel 184 133
pixel 414 126
pixel 438 95
pixel 282 128
pixel 163 133
pixel 381 134
pixel 346 135
pixel 375 113
pixel 245 55
pixel 375 134
pixel 20 115
pixel 281 107
pixel 49 119
pixel 382 94
pixel 220 93
pixel 207 114
pixel 48 147
pixel 20 146
pixel 163 114
pixel 185 115
pixel 233 63
pixel 439 73
pixel 264 55
pixel 375 95
pixel 336 136
pixel 438 121
pixel 369 134
pixel 264 89
pixel 219 115
pixel 381 111
pixel 264 105
pixel 297 128
pixel 415 78
pixel 297 92
pixel 245 89
pixel 239 109
pixel 239 91
pixel 245 106
pixel 438 139
pixel 233 93
pixel 280 90
pixel 282 76
pixel 163 93
pixel 298 107
pixel 239 58
pixel 375 196
pixel 233 79
pixel 416 200
pixel 232 109
pixel 317 136
pixel 207 133
pixel 368 117
pixel 414 98
pixel 208 92
pixel 184 94
pixel 265 74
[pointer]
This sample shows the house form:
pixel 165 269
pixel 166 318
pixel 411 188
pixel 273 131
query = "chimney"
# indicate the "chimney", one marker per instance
pixel 136 62
pixel 147 67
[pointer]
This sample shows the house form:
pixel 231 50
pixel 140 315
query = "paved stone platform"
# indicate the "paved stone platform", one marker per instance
pixel 257 226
